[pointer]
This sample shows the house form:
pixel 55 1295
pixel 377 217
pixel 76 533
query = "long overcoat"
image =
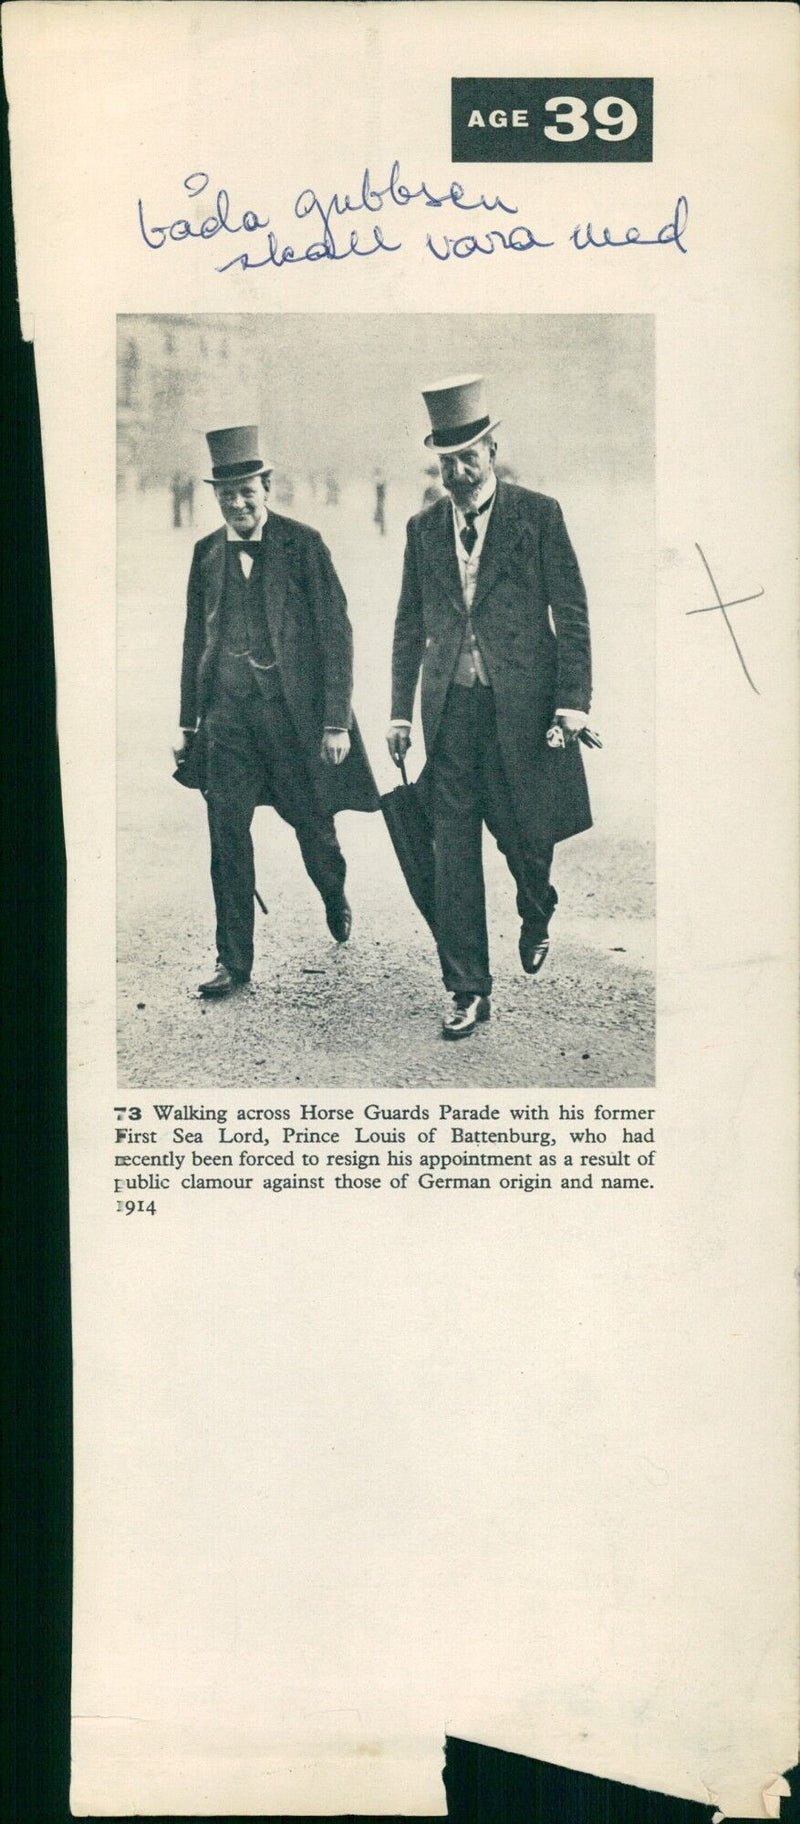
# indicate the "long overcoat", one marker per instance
pixel 312 639
pixel 530 619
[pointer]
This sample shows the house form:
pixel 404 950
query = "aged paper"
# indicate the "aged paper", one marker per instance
pixel 427 1388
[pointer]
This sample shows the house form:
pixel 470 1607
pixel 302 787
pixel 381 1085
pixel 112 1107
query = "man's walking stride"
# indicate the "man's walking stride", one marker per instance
pixel 266 688
pixel 493 610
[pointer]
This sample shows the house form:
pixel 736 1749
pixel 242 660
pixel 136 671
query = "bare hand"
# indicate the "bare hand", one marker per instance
pixel 335 746
pixel 571 721
pixel 398 741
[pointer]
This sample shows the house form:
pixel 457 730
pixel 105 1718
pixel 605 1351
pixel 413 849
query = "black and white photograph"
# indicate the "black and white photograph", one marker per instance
pixel 385 613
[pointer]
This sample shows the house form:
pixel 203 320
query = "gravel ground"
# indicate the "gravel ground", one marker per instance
pixel 367 1013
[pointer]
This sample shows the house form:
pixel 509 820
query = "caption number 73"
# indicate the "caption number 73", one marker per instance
pixel 613 118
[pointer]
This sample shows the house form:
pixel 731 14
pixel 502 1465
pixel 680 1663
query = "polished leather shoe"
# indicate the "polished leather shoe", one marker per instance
pixel 223 981
pixel 467 1012
pixel 532 951
pixel 339 918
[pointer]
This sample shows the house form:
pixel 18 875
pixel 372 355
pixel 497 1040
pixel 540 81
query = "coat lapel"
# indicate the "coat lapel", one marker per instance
pixel 214 583
pixel 504 531
pixel 440 551
pixel 274 572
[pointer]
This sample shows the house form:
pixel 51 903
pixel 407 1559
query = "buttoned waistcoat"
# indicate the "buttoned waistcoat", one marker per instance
pixel 311 636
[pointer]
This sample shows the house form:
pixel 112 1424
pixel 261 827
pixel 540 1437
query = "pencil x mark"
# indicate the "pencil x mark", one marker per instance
pixel 723 607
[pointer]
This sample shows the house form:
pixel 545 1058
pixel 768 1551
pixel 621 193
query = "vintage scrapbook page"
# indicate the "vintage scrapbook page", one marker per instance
pixel 419 401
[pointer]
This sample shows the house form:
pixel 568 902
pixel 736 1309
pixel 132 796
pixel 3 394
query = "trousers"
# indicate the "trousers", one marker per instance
pixel 470 788
pixel 252 748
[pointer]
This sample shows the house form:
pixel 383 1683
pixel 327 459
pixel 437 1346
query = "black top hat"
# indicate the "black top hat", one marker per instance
pixel 234 454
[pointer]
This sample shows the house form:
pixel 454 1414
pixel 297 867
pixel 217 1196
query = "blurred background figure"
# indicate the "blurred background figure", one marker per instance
pixel 331 489
pixel 181 488
pixel 283 488
pixel 379 516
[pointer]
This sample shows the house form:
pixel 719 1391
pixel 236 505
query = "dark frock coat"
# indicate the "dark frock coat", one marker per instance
pixel 306 612
pixel 531 622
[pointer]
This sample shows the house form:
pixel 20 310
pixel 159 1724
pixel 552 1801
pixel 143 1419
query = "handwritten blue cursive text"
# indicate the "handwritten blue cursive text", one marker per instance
pixel 342 225
pixel 670 235
pixel 324 216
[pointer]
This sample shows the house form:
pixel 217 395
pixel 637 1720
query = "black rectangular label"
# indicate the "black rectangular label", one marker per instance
pixel 551 120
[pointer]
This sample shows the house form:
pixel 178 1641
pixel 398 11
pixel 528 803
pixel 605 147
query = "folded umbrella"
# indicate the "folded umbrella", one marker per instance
pixel 407 815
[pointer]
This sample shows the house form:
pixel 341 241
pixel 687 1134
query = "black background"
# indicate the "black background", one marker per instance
pixel 528 145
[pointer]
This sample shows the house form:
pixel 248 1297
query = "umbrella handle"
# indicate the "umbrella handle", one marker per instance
pixel 403 774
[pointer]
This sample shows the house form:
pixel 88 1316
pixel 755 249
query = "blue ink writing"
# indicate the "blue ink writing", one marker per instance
pixel 219 221
pixel 318 250
pixel 670 235
pixel 329 220
pixel 395 191
pixel 519 240
pixel 323 215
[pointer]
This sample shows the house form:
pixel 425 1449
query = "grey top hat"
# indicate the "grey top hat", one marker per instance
pixel 458 415
pixel 234 454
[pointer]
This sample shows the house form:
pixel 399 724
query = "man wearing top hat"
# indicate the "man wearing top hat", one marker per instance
pixel 266 687
pixel 493 609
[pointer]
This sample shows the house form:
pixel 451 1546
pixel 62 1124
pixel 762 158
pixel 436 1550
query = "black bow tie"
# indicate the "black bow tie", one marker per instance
pixel 251 546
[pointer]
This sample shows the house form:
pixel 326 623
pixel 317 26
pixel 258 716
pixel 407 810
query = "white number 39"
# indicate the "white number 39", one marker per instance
pixel 615 119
